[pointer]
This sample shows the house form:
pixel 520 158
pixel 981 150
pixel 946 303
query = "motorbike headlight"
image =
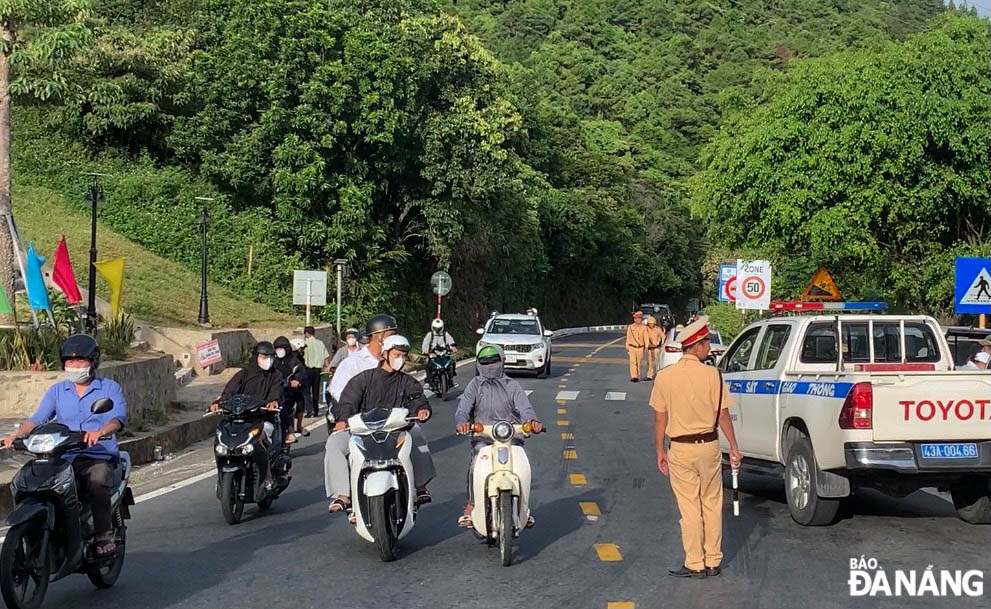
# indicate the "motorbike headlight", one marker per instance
pixel 221 449
pixel 247 449
pixel 43 443
pixel 502 431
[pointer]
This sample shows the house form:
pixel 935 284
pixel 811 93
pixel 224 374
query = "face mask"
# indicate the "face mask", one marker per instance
pixel 265 363
pixel 490 371
pixel 79 376
pixel 280 353
pixel 352 341
pixel 397 363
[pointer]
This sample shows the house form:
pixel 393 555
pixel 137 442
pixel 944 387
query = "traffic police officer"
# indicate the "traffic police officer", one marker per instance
pixel 690 401
pixel 636 339
pixel 655 339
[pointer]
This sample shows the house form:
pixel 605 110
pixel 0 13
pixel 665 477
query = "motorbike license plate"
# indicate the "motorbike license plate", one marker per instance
pixel 510 359
pixel 950 451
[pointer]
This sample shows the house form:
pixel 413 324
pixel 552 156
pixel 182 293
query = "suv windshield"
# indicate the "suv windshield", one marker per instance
pixel 514 326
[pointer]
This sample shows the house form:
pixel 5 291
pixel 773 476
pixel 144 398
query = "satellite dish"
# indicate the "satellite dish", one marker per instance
pixel 440 283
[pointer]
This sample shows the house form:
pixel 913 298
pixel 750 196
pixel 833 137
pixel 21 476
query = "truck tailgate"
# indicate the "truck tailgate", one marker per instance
pixel 933 406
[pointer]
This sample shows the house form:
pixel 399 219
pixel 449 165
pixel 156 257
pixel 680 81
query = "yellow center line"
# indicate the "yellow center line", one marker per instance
pixel 561 386
pixel 577 479
pixel 570 453
pixel 562 423
pixel 621 605
pixel 567 435
pixel 608 552
pixel 589 508
pixel 562 411
pixel 562 402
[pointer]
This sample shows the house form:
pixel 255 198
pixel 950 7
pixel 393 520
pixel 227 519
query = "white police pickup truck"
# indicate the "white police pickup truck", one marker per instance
pixel 841 402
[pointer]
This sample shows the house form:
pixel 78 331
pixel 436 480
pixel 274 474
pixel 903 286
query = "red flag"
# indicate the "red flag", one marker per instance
pixel 62 274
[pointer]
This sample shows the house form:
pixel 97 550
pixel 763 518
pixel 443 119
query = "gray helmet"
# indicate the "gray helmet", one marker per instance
pixel 380 323
pixel 80 346
pixel 264 348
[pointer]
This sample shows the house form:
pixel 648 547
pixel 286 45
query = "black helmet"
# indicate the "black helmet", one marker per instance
pixel 282 342
pixel 264 348
pixel 80 346
pixel 380 323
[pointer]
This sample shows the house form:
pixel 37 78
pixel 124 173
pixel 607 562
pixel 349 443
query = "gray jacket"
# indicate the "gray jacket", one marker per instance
pixel 489 400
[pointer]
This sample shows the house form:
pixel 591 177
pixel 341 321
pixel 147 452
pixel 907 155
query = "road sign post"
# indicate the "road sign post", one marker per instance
pixel 440 284
pixel 309 289
pixel 753 289
pixel 727 283
pixel 972 287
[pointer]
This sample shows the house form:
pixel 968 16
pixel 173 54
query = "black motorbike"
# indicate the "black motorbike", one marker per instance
pixel 440 371
pixel 51 529
pixel 243 456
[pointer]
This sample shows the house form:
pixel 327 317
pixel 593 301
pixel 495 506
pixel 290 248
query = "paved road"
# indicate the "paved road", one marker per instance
pixel 182 554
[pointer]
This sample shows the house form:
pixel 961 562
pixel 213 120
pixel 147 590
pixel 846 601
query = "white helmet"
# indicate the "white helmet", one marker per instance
pixel 437 325
pixel 396 342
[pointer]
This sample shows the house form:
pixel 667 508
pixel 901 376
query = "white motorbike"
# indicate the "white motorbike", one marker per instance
pixel 501 486
pixel 383 491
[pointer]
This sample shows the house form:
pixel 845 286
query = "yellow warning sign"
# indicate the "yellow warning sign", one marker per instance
pixel 822 288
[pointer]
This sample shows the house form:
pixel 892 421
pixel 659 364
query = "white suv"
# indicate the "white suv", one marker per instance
pixel 525 342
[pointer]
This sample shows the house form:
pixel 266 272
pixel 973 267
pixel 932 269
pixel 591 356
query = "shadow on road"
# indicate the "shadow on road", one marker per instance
pixel 554 521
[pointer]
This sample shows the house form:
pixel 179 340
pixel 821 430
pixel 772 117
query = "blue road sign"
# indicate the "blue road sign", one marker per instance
pixel 972 292
pixel 727 274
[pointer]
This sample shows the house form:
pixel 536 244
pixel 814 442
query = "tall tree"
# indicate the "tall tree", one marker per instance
pixel 38 39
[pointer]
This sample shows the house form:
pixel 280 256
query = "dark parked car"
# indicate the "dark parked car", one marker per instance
pixel 661 312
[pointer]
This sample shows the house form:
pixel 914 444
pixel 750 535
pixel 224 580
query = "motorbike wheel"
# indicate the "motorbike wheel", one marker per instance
pixel 383 525
pixel 443 387
pixel 506 527
pixel 105 574
pixel 231 504
pixel 23 564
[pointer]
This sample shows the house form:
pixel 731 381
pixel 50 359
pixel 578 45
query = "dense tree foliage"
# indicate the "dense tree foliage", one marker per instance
pixel 875 163
pixel 540 150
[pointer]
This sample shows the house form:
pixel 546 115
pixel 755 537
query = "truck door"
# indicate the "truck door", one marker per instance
pixel 737 366
pixel 761 411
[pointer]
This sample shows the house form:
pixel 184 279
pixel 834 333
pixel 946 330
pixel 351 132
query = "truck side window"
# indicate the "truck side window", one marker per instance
pixel 737 359
pixel 819 344
pixel 772 346
pixel 856 348
pixel 920 343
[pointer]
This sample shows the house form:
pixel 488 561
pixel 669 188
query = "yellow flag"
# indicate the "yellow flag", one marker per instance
pixel 113 272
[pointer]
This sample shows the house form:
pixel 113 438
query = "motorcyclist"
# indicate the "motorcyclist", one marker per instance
pixel 260 379
pixel 491 397
pixel 377 329
pixel 69 402
pixel 438 338
pixel 384 386
pixel 290 365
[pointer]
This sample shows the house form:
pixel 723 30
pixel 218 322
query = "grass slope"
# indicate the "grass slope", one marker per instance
pixel 155 289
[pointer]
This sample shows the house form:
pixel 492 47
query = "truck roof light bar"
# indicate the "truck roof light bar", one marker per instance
pixel 798 305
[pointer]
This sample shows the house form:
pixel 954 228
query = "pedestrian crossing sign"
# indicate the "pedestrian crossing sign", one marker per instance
pixel 972 293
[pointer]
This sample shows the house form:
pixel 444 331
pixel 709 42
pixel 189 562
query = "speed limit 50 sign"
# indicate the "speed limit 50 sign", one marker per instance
pixel 753 284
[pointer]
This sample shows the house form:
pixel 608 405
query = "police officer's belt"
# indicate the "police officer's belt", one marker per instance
pixel 697 438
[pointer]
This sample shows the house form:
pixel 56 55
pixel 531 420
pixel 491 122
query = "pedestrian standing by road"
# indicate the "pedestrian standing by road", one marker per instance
pixel 654 338
pixel 690 402
pixel 350 346
pixel 636 339
pixel 317 360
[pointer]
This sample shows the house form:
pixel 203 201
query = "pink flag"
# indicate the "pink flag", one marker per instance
pixel 62 274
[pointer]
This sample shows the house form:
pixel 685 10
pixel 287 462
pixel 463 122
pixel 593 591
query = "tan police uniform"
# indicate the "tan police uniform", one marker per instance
pixel 636 340
pixel 691 392
pixel 655 340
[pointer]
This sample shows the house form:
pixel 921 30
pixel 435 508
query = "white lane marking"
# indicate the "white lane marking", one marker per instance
pixel 567 395
pixel 612 342
pixel 616 396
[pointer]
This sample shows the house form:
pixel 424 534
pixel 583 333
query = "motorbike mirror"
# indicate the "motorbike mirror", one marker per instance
pixel 480 331
pixel 102 406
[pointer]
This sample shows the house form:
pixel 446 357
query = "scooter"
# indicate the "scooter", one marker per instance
pixel 383 491
pixel 51 530
pixel 501 486
pixel 242 457
pixel 440 373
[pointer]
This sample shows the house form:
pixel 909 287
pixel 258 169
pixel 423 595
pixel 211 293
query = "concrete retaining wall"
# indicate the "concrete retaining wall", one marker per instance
pixel 148 382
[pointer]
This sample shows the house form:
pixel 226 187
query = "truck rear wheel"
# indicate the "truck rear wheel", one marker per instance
pixel 972 500
pixel 806 506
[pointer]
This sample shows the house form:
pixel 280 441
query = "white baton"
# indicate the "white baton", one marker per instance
pixel 736 492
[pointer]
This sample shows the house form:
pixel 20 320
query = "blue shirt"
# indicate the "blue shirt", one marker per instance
pixel 62 403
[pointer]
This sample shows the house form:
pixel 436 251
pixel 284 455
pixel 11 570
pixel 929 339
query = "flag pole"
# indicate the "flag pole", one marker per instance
pixel 16 241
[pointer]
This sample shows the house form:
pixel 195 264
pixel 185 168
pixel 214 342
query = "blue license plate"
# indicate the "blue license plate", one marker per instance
pixel 949 451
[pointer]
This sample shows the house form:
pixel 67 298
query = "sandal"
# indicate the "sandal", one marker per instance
pixel 465 522
pixel 105 547
pixel 305 433
pixel 339 505
pixel 423 497
pixel 352 518
pixel 530 522
pixel 291 439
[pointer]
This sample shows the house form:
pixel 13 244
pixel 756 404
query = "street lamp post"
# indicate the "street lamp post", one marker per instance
pixel 94 197
pixel 204 316
pixel 341 265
